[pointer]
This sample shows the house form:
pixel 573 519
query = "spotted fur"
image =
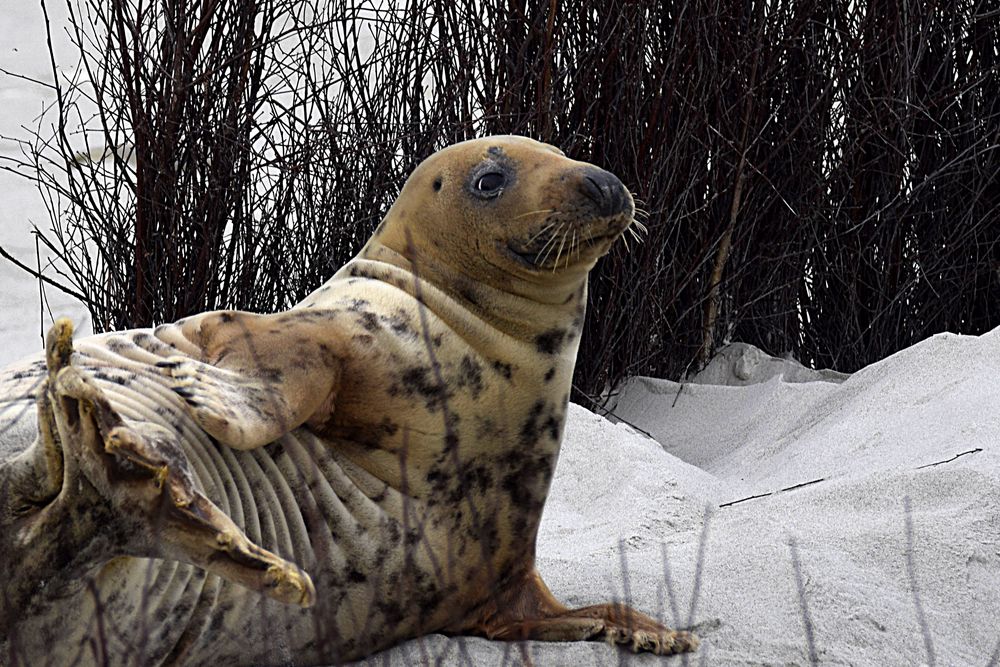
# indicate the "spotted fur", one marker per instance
pixel 316 485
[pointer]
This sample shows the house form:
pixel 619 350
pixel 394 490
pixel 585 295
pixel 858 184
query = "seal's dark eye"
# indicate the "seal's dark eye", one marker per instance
pixel 490 183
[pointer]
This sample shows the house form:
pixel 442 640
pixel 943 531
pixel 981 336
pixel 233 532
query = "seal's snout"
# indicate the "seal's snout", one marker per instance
pixel 605 190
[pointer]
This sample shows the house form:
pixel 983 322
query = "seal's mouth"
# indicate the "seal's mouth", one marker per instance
pixel 525 256
pixel 568 244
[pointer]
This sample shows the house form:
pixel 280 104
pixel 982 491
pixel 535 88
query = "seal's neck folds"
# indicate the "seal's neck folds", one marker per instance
pixel 451 294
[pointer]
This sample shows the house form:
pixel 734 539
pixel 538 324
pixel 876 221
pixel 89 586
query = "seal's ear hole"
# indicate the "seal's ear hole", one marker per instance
pixel 437 184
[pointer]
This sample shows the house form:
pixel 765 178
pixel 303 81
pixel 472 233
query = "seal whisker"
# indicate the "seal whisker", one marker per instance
pixel 642 228
pixel 546 248
pixel 542 231
pixel 562 244
pixel 556 236
pixel 541 210
pixel 551 243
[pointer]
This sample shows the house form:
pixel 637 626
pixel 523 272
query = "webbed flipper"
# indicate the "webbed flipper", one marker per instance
pixel 259 376
pixel 526 609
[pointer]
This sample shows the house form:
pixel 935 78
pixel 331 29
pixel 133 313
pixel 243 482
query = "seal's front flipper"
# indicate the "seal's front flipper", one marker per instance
pixel 237 409
pixel 127 488
pixel 260 376
pixel 529 611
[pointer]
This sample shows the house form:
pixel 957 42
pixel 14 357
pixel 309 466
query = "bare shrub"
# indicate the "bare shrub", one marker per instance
pixel 818 179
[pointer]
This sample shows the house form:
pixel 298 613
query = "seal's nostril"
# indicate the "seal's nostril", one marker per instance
pixel 593 190
pixel 605 190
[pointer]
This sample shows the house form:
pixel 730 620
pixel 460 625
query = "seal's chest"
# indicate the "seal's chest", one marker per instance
pixel 406 392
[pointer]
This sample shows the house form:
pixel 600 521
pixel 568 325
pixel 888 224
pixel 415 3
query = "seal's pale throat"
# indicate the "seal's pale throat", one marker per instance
pixel 312 486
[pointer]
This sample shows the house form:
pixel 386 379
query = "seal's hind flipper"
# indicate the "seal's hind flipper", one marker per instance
pixel 144 476
pixel 187 525
pixel 528 610
pixel 614 623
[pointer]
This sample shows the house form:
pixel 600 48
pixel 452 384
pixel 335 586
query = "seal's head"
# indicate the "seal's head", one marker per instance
pixel 508 209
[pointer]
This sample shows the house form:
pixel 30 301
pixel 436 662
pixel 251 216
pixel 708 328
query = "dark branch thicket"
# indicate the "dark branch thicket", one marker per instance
pixel 821 178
